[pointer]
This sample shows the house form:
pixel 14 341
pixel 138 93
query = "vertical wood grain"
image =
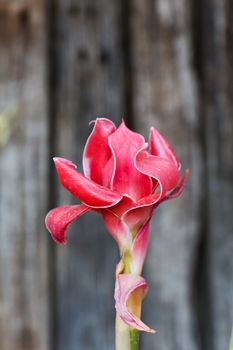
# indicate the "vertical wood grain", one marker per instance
pixel 165 96
pixel 24 309
pixel 157 63
pixel 217 77
pixel 89 83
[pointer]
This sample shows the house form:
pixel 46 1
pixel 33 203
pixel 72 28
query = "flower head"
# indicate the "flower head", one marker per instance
pixel 124 180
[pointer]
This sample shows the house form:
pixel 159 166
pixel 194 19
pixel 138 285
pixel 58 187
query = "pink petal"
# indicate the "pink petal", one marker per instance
pixel 117 228
pixel 160 147
pixel 135 216
pixel 180 187
pixel 163 170
pixel 123 206
pixel 87 191
pixel 97 151
pixel 153 200
pixel 139 248
pixel 126 179
pixel 58 219
pixel 108 172
pixel 123 222
pixel 128 285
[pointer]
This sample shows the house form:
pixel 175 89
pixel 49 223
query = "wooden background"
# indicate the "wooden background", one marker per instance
pixel 155 62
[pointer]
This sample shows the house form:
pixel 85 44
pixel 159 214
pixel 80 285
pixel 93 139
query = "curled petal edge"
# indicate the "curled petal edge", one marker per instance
pixel 138 184
pixel 161 169
pixel 97 151
pixel 180 187
pixel 87 191
pixel 160 147
pixel 155 198
pixel 126 286
pixel 57 220
pixel 143 209
pixel 117 228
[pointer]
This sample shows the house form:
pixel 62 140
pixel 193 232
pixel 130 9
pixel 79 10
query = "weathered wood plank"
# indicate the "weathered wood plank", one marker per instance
pixel 218 115
pixel 89 80
pixel 23 151
pixel 165 96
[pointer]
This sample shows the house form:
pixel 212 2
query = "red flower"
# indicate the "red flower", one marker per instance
pixel 124 180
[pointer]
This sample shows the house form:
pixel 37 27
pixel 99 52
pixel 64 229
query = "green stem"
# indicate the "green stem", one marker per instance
pixel 127 338
pixel 134 339
pixel 231 341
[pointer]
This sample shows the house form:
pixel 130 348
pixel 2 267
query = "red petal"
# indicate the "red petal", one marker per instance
pixel 160 147
pixel 108 172
pixel 123 206
pixel 123 220
pixel 125 144
pixel 87 191
pixel 139 249
pixel 180 187
pixel 58 219
pixel 141 211
pixel 163 170
pixel 138 210
pixel 134 214
pixel 117 228
pixel 97 151
pixel 126 286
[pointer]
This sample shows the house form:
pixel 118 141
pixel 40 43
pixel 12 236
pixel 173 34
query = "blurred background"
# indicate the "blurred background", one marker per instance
pixel 161 63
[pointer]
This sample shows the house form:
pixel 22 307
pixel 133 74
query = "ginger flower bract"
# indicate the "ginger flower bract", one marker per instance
pixel 124 180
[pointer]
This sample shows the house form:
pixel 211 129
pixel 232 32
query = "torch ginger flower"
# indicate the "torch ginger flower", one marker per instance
pixel 124 180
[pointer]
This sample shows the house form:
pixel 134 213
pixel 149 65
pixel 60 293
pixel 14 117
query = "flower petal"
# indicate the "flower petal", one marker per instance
pixel 126 179
pixel 138 210
pixel 163 170
pixel 180 187
pixel 129 292
pixel 165 173
pixel 117 228
pixel 97 151
pixel 107 172
pixel 160 147
pixel 136 216
pixel 123 206
pixel 139 248
pixel 87 191
pixel 58 219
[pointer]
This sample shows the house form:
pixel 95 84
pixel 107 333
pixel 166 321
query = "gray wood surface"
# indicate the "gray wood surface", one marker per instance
pixel 165 96
pixel 89 83
pixel 24 309
pixel 218 117
pixel 157 63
